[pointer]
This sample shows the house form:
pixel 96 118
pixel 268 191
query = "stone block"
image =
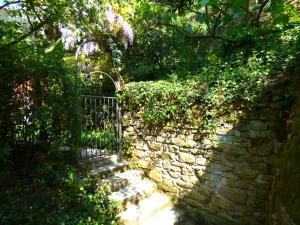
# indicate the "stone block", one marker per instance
pixel 144 164
pixel 182 142
pixel 231 177
pixel 245 133
pixel 200 174
pixel 270 160
pixel 172 156
pixel 243 125
pixel 168 186
pixel 155 175
pixel 222 203
pixel 261 134
pixel 264 178
pixel 187 171
pixel 222 130
pixel 253 159
pixel 145 147
pixel 262 150
pixel 155 146
pixel 191 143
pixel 173 148
pixel 187 158
pixel 127 134
pixel 184 184
pixel 178 164
pixel 212 180
pixel 245 184
pixel 175 174
pixel 262 194
pixel 224 139
pixel 149 154
pixel 257 204
pixel 221 167
pixel 166 164
pixel 139 154
pixel 232 194
pixel 245 170
pixel 192 202
pixel 160 139
pixel 195 151
pixel 258 125
pixel 187 178
pixel 149 138
pixel 211 209
pixel 130 129
pixel 175 168
pixel 243 211
pixel 200 160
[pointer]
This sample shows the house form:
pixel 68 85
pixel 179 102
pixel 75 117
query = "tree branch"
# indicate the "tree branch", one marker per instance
pixel 24 36
pixel 260 9
pixel 208 19
pixel 37 15
pixel 29 21
pixel 9 3
pixel 188 34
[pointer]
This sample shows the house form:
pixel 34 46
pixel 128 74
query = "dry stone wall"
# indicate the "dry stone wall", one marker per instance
pixel 285 200
pixel 223 178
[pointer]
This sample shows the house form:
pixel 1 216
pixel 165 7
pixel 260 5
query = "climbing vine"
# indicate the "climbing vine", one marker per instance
pixel 229 83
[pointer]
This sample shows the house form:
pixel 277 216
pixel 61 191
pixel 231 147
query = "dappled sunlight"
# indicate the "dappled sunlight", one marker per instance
pixel 224 177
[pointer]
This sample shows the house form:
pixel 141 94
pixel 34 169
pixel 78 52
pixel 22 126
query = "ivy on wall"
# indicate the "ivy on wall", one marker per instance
pixel 228 82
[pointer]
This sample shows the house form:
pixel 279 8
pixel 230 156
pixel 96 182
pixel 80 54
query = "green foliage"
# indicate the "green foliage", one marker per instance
pixel 55 194
pixel 37 116
pixel 127 151
pixel 234 78
pixel 31 16
pixel 159 49
pixel 173 37
pixel 42 106
pixel 158 102
pixel 106 139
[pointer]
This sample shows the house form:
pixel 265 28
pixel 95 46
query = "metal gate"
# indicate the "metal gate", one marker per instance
pixel 101 115
pixel 101 133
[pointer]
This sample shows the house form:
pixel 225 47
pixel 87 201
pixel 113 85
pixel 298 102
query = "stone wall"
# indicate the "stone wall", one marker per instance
pixel 285 201
pixel 223 178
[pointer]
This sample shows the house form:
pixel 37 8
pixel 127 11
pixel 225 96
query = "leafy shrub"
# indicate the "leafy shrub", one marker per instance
pixel 105 139
pixel 55 194
pixel 159 101
pixel 235 79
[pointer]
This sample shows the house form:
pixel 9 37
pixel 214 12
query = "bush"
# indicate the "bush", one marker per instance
pixel 158 102
pixel 234 79
pixel 54 193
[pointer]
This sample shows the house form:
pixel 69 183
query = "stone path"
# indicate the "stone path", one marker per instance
pixel 140 201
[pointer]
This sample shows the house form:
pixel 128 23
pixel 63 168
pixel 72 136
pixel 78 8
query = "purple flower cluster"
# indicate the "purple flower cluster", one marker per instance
pixel 68 37
pixel 90 48
pixel 116 23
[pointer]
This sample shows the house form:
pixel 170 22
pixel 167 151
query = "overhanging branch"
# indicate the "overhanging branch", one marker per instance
pixel 9 3
pixel 189 35
pixel 24 36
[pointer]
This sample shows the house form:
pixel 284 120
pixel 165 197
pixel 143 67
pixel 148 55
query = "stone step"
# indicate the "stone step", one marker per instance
pixel 168 216
pixel 145 209
pixel 133 194
pixel 95 162
pixel 110 169
pixel 121 180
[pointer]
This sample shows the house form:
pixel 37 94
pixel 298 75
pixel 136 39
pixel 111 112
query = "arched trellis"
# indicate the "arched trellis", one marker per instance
pixel 102 127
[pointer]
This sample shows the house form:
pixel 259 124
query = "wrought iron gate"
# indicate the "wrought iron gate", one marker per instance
pixel 101 115
pixel 101 134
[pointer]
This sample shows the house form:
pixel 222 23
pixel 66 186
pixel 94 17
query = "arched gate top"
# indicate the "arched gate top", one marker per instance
pixel 101 73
